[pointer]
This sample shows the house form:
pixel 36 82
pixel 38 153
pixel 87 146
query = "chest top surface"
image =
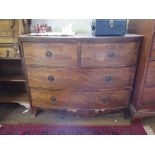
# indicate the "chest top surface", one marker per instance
pixel 81 38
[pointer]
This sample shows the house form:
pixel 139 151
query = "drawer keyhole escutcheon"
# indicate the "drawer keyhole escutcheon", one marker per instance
pixel 106 99
pixel 108 78
pixel 53 99
pixel 50 77
pixel 49 54
pixel 111 54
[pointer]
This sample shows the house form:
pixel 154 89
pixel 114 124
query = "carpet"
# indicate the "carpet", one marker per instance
pixel 33 129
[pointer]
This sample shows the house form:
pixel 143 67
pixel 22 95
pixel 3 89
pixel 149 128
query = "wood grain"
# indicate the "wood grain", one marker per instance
pixel 60 54
pixel 79 100
pixel 109 55
pixel 81 72
pixel 150 77
pixel 148 98
pixel 143 96
pixel 138 26
pixel 80 79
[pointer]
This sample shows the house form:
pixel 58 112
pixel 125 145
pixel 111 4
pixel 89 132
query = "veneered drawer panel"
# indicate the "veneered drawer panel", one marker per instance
pixel 148 98
pixel 80 79
pixel 83 100
pixel 150 78
pixel 109 54
pixel 8 52
pixel 51 54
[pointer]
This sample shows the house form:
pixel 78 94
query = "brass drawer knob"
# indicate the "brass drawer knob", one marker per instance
pixel 108 78
pixel 53 99
pixel 50 77
pixel 48 53
pixel 111 54
pixel 106 99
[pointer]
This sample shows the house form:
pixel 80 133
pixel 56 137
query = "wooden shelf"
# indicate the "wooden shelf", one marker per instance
pixel 16 97
pixel 12 78
pixel 10 58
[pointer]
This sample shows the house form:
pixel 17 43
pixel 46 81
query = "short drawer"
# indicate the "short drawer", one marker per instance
pixel 51 54
pixel 110 54
pixel 150 77
pixel 80 100
pixel 148 98
pixel 80 79
pixel 8 52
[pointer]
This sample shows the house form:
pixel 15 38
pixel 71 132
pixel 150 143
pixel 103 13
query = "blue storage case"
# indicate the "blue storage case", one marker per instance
pixel 109 27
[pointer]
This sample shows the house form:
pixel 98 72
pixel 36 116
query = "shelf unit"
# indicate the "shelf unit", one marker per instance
pixel 13 86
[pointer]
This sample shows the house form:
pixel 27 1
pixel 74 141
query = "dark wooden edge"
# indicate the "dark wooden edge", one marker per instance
pixel 26 77
pixel 136 68
pixel 143 58
pixel 138 115
pixel 151 46
pixel 79 55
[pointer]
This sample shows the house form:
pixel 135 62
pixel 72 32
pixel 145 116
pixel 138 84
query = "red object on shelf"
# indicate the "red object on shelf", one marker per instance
pixel 42 28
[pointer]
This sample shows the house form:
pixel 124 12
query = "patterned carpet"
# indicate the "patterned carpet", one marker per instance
pixel 33 129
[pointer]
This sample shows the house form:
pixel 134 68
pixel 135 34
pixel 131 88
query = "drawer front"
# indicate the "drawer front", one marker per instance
pixel 51 54
pixel 8 52
pixel 80 100
pixel 148 98
pixel 150 77
pixel 80 79
pixel 105 55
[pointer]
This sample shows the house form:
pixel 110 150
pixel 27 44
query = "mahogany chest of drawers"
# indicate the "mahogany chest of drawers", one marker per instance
pixel 81 72
pixel 143 103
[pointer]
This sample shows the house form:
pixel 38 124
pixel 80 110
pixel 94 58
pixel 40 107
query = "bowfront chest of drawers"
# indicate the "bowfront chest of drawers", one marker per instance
pixel 80 73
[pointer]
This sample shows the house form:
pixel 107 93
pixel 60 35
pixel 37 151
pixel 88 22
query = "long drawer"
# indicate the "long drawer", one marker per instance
pixel 80 79
pixel 150 78
pixel 51 54
pixel 148 97
pixel 79 100
pixel 105 55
